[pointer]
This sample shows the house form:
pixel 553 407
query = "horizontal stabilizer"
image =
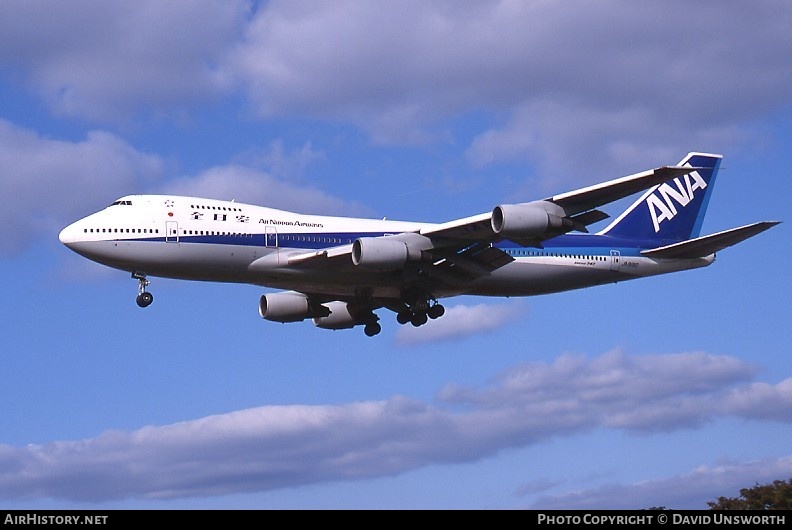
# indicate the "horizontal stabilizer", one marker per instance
pixel 706 245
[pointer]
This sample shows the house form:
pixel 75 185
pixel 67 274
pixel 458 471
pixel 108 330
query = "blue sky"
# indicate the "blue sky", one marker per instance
pixel 665 391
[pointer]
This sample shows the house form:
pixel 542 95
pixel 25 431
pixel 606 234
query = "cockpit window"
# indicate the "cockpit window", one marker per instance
pixel 125 203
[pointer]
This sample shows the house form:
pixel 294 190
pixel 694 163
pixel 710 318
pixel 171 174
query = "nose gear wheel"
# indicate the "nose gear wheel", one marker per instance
pixel 144 298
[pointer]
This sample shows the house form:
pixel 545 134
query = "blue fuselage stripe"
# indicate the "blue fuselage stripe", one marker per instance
pixel 583 244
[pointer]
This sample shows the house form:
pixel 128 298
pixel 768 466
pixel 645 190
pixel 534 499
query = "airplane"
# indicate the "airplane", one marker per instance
pixel 338 271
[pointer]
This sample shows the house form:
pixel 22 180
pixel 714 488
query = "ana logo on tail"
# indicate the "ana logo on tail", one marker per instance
pixel 662 207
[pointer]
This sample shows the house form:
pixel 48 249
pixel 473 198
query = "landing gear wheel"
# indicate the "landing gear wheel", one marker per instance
pixel 372 329
pixel 436 311
pixel 418 311
pixel 144 299
pixel 419 319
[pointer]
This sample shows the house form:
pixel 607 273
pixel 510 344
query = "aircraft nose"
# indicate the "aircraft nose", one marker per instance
pixel 68 235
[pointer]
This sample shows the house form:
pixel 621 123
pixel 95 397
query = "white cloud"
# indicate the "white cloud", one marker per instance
pixel 641 393
pixel 280 162
pixel 583 141
pixel 461 321
pixel 634 83
pixel 633 78
pixel 691 491
pixel 275 447
pixel 763 401
pixel 107 60
pixel 51 182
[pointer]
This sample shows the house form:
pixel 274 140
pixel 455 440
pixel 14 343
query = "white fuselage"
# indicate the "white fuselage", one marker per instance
pixel 224 241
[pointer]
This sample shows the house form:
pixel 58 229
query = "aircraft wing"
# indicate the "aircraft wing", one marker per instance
pixel 449 263
pixel 706 245
pixel 464 246
pixel 576 209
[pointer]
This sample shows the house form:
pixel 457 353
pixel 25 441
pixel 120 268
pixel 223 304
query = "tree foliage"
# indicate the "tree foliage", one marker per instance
pixel 775 496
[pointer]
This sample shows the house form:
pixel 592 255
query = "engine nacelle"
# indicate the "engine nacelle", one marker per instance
pixel 523 221
pixel 286 307
pixel 380 254
pixel 340 317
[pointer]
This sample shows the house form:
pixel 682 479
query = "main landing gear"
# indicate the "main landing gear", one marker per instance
pixel 144 298
pixel 369 319
pixel 420 312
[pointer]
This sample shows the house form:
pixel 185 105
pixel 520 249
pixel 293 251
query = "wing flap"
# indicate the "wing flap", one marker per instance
pixel 475 261
pixel 326 253
pixel 706 245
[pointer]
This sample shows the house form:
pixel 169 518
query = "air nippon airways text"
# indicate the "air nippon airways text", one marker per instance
pixel 290 223
pixel 662 208
pixel 35 518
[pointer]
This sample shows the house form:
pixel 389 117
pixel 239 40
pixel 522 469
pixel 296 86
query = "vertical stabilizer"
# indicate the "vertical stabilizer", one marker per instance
pixel 672 211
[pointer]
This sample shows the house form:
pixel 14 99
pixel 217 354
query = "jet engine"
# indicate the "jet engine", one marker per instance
pixel 340 317
pixel 380 254
pixel 289 307
pixel 524 221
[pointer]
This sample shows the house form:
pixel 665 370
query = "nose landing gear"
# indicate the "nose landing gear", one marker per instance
pixel 144 298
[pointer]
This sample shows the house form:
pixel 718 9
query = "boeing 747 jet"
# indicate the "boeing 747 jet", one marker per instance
pixel 338 271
